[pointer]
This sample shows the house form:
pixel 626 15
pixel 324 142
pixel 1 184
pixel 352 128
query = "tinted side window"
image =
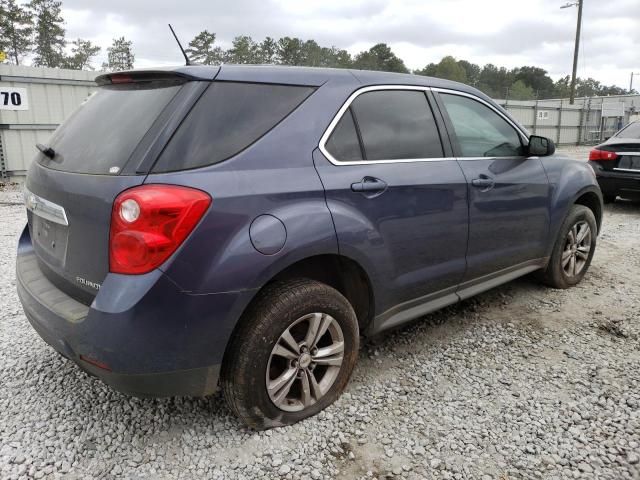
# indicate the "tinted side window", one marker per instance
pixel 228 118
pixel 343 143
pixel 480 131
pixel 396 124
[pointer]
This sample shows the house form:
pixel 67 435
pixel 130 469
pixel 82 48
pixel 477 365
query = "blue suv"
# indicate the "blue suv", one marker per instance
pixel 242 226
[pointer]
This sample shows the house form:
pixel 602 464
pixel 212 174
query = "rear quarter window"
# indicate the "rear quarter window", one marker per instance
pixel 228 118
pixel 343 143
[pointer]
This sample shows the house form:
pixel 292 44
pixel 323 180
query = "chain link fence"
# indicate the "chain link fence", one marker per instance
pixel 588 121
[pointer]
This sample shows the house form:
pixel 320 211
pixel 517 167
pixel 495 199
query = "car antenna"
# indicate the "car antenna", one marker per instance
pixel 180 46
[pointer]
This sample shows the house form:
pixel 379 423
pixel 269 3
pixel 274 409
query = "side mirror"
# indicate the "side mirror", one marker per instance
pixel 541 146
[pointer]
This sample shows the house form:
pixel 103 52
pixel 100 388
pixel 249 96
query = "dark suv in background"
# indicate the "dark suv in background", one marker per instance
pixel 242 226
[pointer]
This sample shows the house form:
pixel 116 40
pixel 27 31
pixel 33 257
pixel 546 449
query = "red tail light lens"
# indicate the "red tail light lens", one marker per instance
pixel 597 155
pixel 148 224
pixel 120 78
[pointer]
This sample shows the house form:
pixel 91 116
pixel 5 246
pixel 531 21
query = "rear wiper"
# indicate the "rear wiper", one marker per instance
pixel 46 151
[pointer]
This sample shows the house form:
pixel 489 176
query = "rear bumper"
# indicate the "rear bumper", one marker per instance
pixel 615 182
pixel 141 335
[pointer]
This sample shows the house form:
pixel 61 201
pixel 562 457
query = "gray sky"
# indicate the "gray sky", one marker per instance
pixel 503 32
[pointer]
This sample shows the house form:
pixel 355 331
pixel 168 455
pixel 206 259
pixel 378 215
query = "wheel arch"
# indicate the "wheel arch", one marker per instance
pixel 593 201
pixel 338 271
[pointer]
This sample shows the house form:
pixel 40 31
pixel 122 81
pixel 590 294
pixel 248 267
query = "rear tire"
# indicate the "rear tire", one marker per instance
pixel 573 250
pixel 292 354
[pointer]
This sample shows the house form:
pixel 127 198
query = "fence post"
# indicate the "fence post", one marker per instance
pixel 535 117
pixel 588 119
pixel 559 123
pixel 579 138
pixel 4 176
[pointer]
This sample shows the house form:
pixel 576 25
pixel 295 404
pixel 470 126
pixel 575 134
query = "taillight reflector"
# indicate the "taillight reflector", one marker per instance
pixel 95 362
pixel 597 155
pixel 148 224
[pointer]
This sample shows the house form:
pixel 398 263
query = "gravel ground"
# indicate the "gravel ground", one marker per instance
pixel 520 382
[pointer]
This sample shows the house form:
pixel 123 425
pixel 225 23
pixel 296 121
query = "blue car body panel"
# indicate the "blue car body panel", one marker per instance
pixel 508 223
pixel 428 240
pixel 407 252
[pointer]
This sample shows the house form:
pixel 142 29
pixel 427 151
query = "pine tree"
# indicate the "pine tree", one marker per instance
pixel 380 57
pixel 268 51
pixel 120 55
pixel 290 51
pixel 243 50
pixel 81 54
pixel 202 49
pixel 49 33
pixel 16 30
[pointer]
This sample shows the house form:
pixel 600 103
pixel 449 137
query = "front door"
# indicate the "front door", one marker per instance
pixel 399 206
pixel 508 191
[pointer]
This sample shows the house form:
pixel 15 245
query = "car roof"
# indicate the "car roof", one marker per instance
pixel 310 76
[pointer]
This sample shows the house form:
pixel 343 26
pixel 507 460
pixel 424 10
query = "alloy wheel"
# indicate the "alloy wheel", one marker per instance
pixel 576 249
pixel 305 362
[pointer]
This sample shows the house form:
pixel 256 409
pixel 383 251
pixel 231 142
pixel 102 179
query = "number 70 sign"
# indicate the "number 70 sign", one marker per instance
pixel 13 98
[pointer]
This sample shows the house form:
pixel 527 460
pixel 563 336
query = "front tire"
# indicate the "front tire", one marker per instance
pixel 573 250
pixel 292 355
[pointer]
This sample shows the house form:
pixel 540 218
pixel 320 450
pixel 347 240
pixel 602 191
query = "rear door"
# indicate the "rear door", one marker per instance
pixel 397 198
pixel 94 155
pixel 509 193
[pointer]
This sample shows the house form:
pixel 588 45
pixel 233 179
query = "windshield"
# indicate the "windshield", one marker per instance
pixel 103 132
pixel 630 131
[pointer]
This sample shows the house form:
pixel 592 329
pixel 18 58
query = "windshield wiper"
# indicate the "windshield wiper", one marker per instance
pixel 46 151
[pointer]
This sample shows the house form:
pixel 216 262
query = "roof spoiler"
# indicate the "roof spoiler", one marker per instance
pixel 141 76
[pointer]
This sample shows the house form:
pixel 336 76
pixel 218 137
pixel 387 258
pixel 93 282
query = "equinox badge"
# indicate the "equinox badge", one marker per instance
pixel 88 283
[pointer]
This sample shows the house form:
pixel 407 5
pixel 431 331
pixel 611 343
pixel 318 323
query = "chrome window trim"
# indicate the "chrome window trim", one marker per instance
pixel 629 170
pixel 334 121
pixel 332 125
pixel 44 208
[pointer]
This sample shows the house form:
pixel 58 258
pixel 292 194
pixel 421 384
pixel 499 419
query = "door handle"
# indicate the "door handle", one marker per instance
pixel 483 182
pixel 369 185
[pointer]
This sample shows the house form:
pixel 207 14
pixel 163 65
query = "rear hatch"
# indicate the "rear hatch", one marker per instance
pixel 105 147
pixel 623 151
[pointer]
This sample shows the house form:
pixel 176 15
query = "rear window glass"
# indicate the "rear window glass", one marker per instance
pixel 102 133
pixel 630 131
pixel 228 118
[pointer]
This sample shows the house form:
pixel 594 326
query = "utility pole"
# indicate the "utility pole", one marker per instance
pixel 577 3
pixel 631 82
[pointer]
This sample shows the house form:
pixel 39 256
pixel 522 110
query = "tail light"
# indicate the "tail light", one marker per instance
pixel 597 155
pixel 148 224
pixel 119 78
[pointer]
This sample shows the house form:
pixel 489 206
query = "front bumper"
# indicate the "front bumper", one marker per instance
pixel 141 335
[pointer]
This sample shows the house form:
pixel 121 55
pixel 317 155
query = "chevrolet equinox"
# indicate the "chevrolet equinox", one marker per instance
pixel 241 226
